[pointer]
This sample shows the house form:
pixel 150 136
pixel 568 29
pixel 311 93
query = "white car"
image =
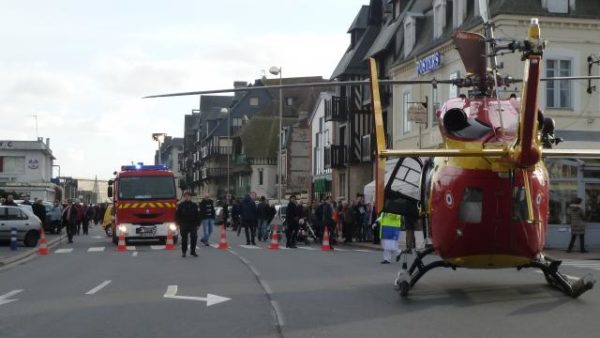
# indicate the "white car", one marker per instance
pixel 27 224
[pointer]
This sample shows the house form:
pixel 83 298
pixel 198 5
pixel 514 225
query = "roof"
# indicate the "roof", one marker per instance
pixel 353 63
pixel 260 137
pixel 361 19
pixel 386 34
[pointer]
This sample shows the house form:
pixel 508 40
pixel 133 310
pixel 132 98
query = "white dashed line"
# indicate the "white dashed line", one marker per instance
pixel 134 254
pixel 157 247
pixel 306 248
pixel 131 248
pixel 96 249
pixel 69 250
pixel 98 288
pixel 362 250
pixel 214 246
pixel 250 246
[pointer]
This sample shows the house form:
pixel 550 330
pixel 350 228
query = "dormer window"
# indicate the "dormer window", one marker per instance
pixel 559 6
pixel 409 35
pixel 439 18
pixel 459 12
pixel 254 101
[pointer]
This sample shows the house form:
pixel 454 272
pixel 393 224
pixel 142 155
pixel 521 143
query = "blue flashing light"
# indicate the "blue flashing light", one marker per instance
pixel 141 166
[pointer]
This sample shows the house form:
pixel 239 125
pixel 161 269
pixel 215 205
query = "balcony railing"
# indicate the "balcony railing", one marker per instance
pixel 207 151
pixel 336 156
pixel 336 109
pixel 208 173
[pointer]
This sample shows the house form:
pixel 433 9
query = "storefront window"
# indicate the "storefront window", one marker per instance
pixel 561 195
pixel 562 168
pixel 592 202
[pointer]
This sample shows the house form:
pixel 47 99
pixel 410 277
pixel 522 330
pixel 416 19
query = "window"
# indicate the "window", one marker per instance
pixel 405 104
pixel 236 122
pixel 342 181
pixel 321 122
pixel 459 11
pixel 558 93
pixel 254 101
pixel 12 164
pixel 14 214
pixel 471 206
pixel 439 18
pixel 435 105
pixel 453 90
pixel 558 6
pixel 289 101
pixel 409 35
pixel 260 177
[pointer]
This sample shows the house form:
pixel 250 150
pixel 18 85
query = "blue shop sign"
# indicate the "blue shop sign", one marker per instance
pixel 429 63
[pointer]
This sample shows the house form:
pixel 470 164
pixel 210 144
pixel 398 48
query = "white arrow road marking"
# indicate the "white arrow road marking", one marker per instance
pixel 210 298
pixel 69 250
pixel 4 298
pixel 98 288
pixel 96 249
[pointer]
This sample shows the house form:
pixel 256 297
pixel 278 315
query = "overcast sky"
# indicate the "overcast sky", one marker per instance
pixel 83 66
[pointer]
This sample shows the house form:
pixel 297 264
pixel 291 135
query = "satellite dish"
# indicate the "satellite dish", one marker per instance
pixel 484 10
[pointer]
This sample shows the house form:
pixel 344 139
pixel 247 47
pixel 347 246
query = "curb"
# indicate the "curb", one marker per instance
pixel 27 255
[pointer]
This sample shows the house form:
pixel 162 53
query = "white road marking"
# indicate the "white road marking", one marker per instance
pixel 98 237
pixel 254 271
pixel 278 313
pixel 340 250
pixel 266 286
pixel 4 298
pixel 134 254
pixel 210 299
pixel 215 246
pixel 306 248
pixel 363 250
pixel 69 250
pixel 96 249
pixel 98 288
pixel 250 246
pixel 131 248
pixel 157 247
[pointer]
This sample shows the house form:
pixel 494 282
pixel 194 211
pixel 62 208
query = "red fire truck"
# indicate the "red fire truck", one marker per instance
pixel 145 200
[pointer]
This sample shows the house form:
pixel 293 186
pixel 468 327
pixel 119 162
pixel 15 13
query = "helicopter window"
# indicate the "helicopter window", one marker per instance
pixel 519 209
pixel 471 206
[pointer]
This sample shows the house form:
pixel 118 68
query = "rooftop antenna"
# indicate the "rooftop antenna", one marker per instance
pixel 37 134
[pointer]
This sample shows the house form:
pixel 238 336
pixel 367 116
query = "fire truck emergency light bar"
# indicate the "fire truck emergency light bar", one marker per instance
pixel 141 166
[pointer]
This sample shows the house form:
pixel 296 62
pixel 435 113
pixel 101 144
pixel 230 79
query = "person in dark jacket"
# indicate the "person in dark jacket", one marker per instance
pixel 10 201
pixel 327 222
pixel 40 211
pixel 577 220
pixel 207 217
pixel 249 215
pixel 188 219
pixel 69 220
pixel 292 217
pixel 264 216
pixel 88 216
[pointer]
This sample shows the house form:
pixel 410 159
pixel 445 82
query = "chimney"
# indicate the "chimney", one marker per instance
pixel 48 142
pixel 239 84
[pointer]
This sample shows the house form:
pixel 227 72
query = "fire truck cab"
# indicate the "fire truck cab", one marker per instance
pixel 145 200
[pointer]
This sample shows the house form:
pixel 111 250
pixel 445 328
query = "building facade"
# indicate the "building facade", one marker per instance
pixel 26 168
pixel 321 138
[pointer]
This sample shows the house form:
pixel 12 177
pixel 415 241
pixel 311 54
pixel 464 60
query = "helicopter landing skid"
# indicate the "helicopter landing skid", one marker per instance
pixel 574 288
pixel 408 278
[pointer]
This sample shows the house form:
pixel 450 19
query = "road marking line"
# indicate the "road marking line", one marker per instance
pixel 134 254
pixel 131 248
pixel 254 271
pixel 98 288
pixel 340 250
pixel 157 247
pixel 278 313
pixel 266 286
pixel 215 246
pixel 306 248
pixel 363 250
pixel 250 246
pixel 210 299
pixel 96 249
pixel 69 250
pixel 98 237
pixel 4 300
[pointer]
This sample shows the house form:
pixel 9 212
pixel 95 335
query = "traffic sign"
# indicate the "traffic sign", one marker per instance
pixel 417 113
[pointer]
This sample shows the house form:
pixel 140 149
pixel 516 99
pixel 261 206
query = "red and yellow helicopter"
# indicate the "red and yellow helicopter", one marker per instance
pixel 484 194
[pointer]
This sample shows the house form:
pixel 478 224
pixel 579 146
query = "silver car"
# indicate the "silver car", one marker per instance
pixel 27 224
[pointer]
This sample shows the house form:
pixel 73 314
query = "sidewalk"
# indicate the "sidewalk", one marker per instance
pixel 554 253
pixel 7 256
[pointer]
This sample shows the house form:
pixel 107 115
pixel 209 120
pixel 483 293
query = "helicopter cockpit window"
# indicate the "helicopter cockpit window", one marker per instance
pixel 471 206
pixel 519 211
pixel 403 187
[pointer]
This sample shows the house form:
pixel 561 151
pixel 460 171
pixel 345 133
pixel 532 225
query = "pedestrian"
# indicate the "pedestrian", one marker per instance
pixel 69 220
pixel 327 221
pixel 264 214
pixel 188 219
pixel 88 215
pixel 207 217
pixel 55 217
pixel 292 217
pixel 389 232
pixel 10 201
pixel 348 222
pixel 236 216
pixel 577 220
pixel 249 217
pixel 80 213
pixel 360 218
pixel 40 211
pixel 410 225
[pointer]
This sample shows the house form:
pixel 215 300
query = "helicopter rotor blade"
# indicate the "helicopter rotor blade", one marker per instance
pixel 471 48
pixel 576 153
pixel 301 85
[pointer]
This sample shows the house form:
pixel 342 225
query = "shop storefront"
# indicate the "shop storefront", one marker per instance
pixel 570 178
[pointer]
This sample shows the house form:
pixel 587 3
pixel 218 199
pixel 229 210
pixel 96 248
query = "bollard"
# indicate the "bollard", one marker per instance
pixel 13 238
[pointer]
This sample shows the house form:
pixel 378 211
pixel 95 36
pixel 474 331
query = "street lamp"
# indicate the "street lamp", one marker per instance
pixel 160 138
pixel 277 71
pixel 228 112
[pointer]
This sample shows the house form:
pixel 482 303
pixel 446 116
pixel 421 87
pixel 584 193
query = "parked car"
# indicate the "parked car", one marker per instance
pixel 27 224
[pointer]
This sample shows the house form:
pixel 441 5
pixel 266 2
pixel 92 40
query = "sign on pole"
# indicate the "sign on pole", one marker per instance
pixel 417 113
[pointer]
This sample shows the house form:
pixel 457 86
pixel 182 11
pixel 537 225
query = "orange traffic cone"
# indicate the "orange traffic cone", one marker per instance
pixel 223 241
pixel 121 246
pixel 169 245
pixel 325 246
pixel 43 250
pixel 274 239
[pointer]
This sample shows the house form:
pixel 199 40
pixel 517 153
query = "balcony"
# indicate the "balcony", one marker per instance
pixel 208 173
pixel 208 151
pixel 336 156
pixel 336 109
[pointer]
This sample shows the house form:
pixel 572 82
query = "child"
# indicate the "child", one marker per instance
pixel 389 233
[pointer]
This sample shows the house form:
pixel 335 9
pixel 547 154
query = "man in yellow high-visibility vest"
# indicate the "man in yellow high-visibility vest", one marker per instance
pixel 389 231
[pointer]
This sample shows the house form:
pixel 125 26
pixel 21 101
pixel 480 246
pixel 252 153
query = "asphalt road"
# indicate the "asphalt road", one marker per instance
pixel 290 293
